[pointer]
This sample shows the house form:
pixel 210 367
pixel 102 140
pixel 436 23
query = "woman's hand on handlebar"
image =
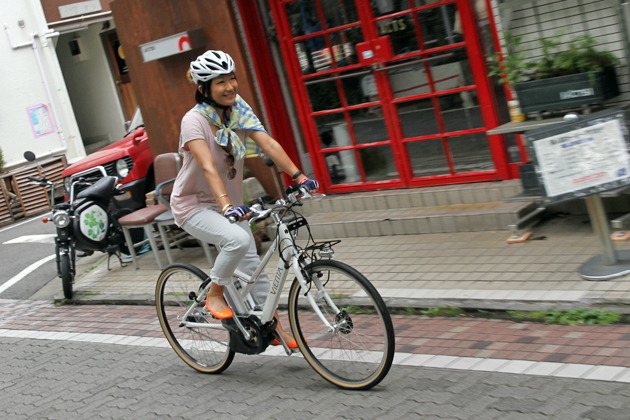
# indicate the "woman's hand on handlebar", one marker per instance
pixel 239 213
pixel 310 184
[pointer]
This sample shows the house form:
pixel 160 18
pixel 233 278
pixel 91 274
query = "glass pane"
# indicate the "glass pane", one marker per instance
pixel 333 130
pixel 418 118
pixel 409 80
pixel 369 125
pixel 451 72
pixel 323 95
pixel 342 167
pixel 460 111
pixel 427 158
pixel 439 26
pixel 471 153
pixel 401 33
pixel 378 163
pixel 343 43
pixel 339 12
pixel 303 17
pixel 360 89
pixel 385 7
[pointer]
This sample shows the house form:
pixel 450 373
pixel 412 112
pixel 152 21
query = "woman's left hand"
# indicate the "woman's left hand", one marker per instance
pixel 310 184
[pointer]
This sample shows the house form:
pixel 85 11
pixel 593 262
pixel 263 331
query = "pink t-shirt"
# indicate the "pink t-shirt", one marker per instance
pixel 191 191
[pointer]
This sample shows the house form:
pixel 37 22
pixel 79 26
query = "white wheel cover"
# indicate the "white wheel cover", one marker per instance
pixel 93 223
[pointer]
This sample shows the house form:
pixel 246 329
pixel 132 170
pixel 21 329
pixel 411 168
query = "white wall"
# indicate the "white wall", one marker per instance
pixel 91 88
pixel 22 87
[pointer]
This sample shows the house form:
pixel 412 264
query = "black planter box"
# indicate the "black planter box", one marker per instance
pixel 567 91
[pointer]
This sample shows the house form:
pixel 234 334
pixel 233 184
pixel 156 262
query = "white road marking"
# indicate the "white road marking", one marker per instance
pixel 25 272
pixel 38 218
pixel 518 367
pixel 41 239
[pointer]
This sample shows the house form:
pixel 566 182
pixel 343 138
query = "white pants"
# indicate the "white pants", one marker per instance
pixel 238 249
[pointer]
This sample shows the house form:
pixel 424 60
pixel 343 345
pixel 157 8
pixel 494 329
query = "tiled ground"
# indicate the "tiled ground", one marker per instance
pixel 460 269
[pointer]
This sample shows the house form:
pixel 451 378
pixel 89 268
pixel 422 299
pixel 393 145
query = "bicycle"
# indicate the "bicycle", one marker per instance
pixel 340 322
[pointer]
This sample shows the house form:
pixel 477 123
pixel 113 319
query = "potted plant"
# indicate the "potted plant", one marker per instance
pixel 568 74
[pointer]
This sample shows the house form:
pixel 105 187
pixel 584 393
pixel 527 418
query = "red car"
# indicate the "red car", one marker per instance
pixel 129 159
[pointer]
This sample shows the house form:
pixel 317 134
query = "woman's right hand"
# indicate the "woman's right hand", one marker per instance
pixel 241 212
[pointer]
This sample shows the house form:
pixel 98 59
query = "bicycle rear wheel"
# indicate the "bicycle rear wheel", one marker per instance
pixel 359 352
pixel 203 349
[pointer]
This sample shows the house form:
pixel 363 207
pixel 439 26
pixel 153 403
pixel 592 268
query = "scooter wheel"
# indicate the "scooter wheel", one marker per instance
pixel 66 275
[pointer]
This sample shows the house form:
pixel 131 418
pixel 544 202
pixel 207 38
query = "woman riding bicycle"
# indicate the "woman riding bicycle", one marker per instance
pixel 216 135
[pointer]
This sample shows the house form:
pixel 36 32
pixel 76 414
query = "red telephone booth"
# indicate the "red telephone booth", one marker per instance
pixel 391 93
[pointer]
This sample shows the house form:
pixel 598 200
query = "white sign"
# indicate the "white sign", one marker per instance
pixel 583 158
pixel 165 47
pixel 80 8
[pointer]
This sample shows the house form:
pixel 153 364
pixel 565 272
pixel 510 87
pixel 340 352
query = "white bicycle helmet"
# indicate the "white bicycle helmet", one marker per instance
pixel 210 65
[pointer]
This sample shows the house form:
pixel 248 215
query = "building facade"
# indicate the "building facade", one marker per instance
pixel 365 94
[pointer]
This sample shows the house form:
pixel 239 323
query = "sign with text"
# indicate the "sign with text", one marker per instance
pixel 40 120
pixel 80 8
pixel 574 160
pixel 172 45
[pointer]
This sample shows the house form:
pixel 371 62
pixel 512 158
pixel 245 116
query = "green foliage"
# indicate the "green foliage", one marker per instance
pixel 442 311
pixel 559 58
pixel 2 162
pixel 572 317
pixel 353 309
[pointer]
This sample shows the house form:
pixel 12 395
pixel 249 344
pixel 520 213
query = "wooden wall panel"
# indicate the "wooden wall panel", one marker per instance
pixel 164 94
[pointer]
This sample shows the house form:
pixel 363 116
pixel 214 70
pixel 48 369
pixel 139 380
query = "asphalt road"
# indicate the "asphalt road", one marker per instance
pixel 27 251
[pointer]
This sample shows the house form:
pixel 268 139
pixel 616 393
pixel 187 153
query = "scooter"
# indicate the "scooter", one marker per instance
pixel 87 222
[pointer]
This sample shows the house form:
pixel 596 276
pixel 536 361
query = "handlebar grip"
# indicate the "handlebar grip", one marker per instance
pixel 293 188
pixel 233 219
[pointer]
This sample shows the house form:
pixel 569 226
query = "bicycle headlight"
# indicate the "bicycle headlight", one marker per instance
pixel 122 169
pixel 61 219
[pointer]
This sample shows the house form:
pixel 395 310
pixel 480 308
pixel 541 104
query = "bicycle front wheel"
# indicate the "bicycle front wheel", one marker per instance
pixel 358 352
pixel 203 349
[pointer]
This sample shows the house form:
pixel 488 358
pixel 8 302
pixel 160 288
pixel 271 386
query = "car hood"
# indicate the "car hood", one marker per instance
pixel 107 154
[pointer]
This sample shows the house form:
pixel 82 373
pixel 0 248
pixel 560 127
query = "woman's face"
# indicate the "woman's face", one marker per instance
pixel 224 89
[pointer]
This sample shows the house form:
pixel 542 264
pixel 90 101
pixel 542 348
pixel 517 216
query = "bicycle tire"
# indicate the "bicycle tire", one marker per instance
pixel 204 349
pixel 66 275
pixel 359 353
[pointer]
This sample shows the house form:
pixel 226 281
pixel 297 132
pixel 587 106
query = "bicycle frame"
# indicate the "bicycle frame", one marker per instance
pixel 238 297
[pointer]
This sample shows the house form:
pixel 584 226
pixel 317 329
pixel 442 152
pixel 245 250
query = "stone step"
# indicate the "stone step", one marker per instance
pixel 472 217
pixel 447 195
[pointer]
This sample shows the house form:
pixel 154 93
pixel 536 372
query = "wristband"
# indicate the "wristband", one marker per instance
pixel 225 208
pixel 295 175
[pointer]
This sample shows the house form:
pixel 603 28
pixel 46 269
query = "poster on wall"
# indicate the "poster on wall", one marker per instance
pixel 40 120
pixel 574 160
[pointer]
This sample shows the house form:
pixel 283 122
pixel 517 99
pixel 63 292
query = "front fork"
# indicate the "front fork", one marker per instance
pixel 320 293
pixel 64 247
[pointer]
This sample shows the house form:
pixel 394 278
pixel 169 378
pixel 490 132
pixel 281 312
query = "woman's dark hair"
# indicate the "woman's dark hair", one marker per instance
pixel 205 97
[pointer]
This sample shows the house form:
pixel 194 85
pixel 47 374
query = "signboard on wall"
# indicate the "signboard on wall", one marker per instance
pixel 574 160
pixel 80 8
pixel 40 120
pixel 172 45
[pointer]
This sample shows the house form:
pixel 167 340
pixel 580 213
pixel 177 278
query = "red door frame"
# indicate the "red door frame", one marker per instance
pixel 368 24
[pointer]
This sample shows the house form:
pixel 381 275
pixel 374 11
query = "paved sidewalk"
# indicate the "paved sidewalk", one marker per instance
pixel 466 269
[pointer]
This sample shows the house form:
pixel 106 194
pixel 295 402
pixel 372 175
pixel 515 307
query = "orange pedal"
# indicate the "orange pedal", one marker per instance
pixel 620 235
pixel 518 238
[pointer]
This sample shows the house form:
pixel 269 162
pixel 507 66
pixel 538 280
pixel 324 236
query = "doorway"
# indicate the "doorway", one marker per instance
pixel 392 93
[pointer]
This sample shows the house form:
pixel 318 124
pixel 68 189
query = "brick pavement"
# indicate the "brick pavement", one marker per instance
pixel 459 343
